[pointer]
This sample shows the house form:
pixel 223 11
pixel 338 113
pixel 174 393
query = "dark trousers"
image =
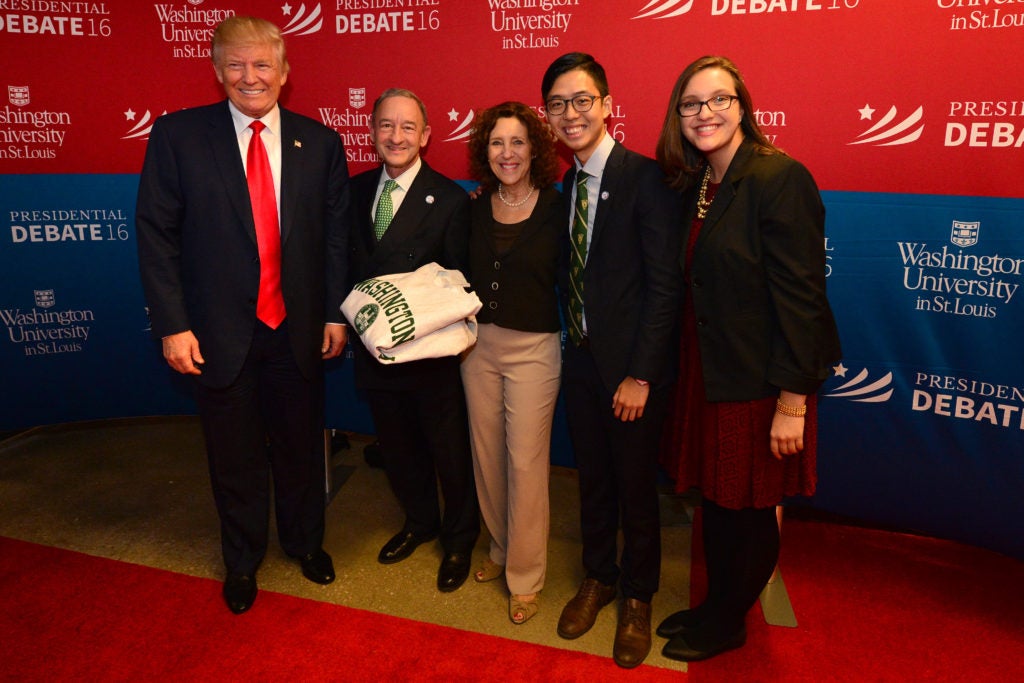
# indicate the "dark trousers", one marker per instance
pixel 424 439
pixel 618 470
pixel 741 548
pixel 267 422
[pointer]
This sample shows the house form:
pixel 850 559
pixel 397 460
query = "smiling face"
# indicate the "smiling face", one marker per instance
pixel 509 152
pixel 252 76
pixel 716 134
pixel 581 132
pixel 399 132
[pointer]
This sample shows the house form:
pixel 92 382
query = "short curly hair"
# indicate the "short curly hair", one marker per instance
pixel 543 166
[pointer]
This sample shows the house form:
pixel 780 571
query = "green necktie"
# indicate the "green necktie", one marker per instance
pixel 578 259
pixel 385 209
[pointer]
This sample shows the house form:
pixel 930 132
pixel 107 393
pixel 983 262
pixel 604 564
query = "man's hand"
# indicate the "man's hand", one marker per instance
pixel 629 400
pixel 182 352
pixel 335 337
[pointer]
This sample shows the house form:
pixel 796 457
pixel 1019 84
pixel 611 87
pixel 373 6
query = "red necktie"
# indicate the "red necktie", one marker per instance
pixel 270 304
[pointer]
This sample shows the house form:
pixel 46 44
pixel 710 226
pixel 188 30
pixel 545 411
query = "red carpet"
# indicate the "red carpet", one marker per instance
pixel 872 606
pixel 67 616
pixel 881 606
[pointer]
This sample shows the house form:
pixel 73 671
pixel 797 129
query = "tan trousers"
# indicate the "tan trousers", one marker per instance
pixel 511 380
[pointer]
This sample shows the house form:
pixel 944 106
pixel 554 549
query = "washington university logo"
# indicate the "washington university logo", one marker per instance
pixel 302 24
pixel 357 98
pixel 366 317
pixel 889 131
pixel 18 95
pixel 965 234
pixel 44 298
pixel 660 9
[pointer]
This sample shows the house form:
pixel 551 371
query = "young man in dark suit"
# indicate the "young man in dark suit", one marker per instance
pixel 407 215
pixel 243 238
pixel 620 284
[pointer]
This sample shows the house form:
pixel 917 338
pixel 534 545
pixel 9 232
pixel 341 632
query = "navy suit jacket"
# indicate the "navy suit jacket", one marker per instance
pixel 197 240
pixel 631 280
pixel 758 281
pixel 431 225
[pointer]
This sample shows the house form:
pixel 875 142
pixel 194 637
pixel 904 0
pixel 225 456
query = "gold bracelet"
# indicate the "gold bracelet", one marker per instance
pixel 791 411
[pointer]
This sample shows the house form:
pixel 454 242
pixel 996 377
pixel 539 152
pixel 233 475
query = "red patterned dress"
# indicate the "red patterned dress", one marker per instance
pixel 723 448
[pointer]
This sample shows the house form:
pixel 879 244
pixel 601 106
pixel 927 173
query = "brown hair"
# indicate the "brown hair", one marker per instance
pixel 543 166
pixel 679 159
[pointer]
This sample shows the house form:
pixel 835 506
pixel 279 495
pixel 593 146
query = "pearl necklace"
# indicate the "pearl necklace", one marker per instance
pixel 703 204
pixel 515 204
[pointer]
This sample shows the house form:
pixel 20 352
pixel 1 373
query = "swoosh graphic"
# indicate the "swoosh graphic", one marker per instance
pixel 458 133
pixel 911 120
pixel 664 6
pixel 297 28
pixel 859 394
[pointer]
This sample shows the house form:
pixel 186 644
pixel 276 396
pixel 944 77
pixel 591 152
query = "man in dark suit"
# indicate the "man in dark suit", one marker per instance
pixel 407 215
pixel 242 236
pixel 620 285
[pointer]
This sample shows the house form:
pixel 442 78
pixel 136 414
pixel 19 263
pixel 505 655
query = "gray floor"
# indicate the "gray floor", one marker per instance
pixel 137 490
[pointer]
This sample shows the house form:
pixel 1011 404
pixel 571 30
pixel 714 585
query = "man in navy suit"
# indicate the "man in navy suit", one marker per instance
pixel 250 313
pixel 621 292
pixel 407 215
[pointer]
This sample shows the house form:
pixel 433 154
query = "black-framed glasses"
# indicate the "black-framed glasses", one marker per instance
pixel 716 103
pixel 556 105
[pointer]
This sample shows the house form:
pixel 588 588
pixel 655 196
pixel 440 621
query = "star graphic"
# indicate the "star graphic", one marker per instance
pixel 129 115
pixel 866 112
pixel 286 9
pixel 453 115
pixel 840 369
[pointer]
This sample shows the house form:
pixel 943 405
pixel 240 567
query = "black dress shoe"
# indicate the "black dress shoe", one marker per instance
pixel 239 592
pixel 317 567
pixel 692 648
pixel 680 623
pixel 401 546
pixel 453 572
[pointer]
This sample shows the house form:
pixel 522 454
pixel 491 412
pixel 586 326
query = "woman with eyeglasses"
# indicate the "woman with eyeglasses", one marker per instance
pixel 758 340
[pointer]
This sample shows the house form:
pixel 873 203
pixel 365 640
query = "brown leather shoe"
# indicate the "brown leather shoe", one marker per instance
pixel 580 613
pixel 633 635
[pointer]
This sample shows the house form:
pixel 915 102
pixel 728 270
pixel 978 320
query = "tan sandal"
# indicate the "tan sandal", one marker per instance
pixel 488 571
pixel 521 611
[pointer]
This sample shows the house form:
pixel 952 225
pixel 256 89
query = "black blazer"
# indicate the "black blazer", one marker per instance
pixel 517 289
pixel 631 280
pixel 758 281
pixel 432 225
pixel 197 240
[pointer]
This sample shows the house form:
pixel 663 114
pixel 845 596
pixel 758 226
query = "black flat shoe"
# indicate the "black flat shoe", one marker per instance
pixel 681 649
pixel 401 546
pixel 317 567
pixel 239 592
pixel 680 623
pixel 453 572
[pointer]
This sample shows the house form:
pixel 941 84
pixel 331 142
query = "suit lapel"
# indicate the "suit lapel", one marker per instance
pixel 364 186
pixel 223 141
pixel 414 210
pixel 291 166
pixel 611 179
pixel 725 195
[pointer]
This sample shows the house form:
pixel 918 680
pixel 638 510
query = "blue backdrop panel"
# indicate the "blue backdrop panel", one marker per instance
pixel 922 425
pixel 76 344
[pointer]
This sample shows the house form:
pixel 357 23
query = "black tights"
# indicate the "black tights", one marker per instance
pixel 741 548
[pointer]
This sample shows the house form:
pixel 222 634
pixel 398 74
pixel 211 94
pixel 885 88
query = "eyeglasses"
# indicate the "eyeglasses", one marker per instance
pixel 581 103
pixel 716 103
